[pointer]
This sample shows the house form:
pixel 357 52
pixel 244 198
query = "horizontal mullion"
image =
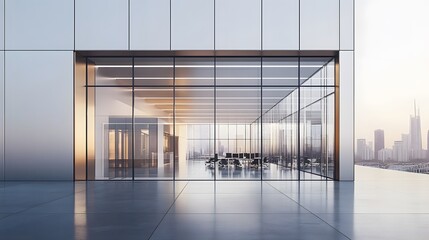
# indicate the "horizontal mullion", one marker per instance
pixel 212 86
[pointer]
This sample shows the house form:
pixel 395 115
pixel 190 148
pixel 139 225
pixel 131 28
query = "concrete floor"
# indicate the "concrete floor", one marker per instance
pixel 380 204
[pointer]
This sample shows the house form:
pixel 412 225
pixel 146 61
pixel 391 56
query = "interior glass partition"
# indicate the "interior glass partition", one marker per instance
pixel 210 118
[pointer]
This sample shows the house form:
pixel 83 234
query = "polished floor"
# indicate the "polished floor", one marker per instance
pixel 380 204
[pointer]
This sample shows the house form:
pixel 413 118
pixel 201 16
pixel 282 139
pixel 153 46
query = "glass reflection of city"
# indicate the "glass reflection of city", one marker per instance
pixel 221 118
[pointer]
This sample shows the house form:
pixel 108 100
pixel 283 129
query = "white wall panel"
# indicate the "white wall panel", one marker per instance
pixel 1 24
pixel 39 115
pixel 150 24
pixel 319 24
pixel 346 85
pixel 346 24
pixel 1 115
pixel 192 24
pixel 280 25
pixel 238 24
pixel 39 25
pixel 101 24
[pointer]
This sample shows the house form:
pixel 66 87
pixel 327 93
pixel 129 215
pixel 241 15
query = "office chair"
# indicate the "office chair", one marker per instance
pixel 223 162
pixel 237 163
pixel 210 162
pixel 254 163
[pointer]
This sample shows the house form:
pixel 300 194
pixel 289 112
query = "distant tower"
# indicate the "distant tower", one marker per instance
pixel 369 151
pixel 415 147
pixel 405 146
pixel 378 142
pixel 399 151
pixel 360 149
pixel 427 146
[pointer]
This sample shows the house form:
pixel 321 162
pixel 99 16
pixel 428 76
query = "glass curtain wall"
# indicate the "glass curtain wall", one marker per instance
pixel 207 118
pixel 195 118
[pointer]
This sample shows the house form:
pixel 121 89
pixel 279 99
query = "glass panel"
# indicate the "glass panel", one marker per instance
pixel 153 71
pixel 154 141
pixel 109 122
pixel 236 110
pixel 311 68
pixel 329 162
pixel 317 118
pixel 194 71
pixel 111 71
pixel 195 116
pixel 316 133
pixel 113 133
pixel 280 71
pixel 238 71
pixel 279 132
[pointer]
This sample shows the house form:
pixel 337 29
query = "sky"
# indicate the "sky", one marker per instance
pixel 392 67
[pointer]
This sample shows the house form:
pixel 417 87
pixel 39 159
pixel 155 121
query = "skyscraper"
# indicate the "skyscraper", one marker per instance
pixel 415 147
pixel 406 143
pixel 378 142
pixel 427 146
pixel 369 151
pixel 400 151
pixel 364 151
pixel 360 149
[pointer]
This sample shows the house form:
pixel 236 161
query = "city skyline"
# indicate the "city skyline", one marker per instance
pixel 391 67
pixel 406 149
pixel 415 133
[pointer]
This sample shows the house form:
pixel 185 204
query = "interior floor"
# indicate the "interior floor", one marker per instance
pixel 201 170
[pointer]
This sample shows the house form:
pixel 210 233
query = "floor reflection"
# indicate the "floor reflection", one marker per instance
pixel 369 208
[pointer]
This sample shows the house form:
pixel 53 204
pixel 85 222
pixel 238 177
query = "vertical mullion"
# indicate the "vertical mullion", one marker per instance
pixel 86 118
pixel 132 122
pixel 299 91
pixel 214 91
pixel 129 29
pixel 299 120
pixel 261 117
pixel 214 117
pixel 262 38
pixel 326 125
pixel 174 115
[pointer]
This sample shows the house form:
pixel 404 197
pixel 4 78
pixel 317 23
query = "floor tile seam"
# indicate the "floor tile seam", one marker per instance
pixel 74 191
pixel 239 213
pixel 274 194
pixel 166 213
pixel 163 213
pixel 337 230
pixel 226 213
pixel 37 205
pixel 7 215
pixel 376 213
pixel 95 188
pixel 170 213
pixel 91 213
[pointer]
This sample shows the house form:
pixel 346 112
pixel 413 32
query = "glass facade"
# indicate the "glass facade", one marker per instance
pixel 210 118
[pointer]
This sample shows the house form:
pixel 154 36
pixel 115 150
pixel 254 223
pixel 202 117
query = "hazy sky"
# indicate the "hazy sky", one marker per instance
pixel 392 66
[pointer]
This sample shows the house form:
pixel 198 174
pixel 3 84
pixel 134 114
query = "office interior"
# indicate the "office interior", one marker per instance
pixel 206 118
